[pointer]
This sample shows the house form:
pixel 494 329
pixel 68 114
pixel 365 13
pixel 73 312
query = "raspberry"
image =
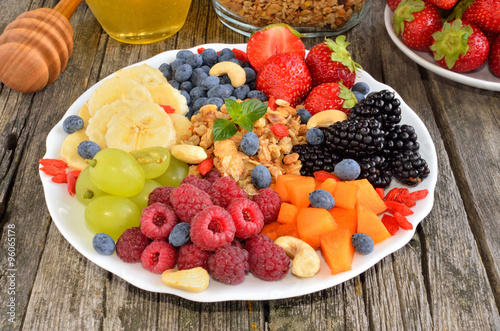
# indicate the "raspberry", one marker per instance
pixel 159 256
pixel 188 200
pixel 191 256
pixel 269 202
pixel 157 221
pixel 279 130
pixel 202 184
pixel 228 265
pixel 224 190
pixel 212 175
pixel 161 195
pixel 130 245
pixel 212 228
pixel 268 261
pixel 247 217
pixel 256 240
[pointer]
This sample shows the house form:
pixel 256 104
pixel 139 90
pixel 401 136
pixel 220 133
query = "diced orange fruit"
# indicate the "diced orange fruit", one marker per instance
pixel 368 197
pixel 329 185
pixel 345 218
pixel 276 229
pixel 312 222
pixel 337 250
pixel 370 224
pixel 280 185
pixel 345 195
pixel 288 213
pixel 298 190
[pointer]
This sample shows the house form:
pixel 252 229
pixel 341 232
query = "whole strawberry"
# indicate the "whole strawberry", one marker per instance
pixel 329 96
pixel 483 13
pixel 416 21
pixel 393 4
pixel 271 40
pixel 460 46
pixel 494 57
pixel 285 76
pixel 330 62
pixel 443 4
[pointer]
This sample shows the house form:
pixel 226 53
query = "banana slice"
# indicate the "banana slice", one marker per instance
pixel 142 74
pixel 146 125
pixel 84 114
pixel 183 126
pixel 69 152
pixel 165 94
pixel 116 89
pixel 98 124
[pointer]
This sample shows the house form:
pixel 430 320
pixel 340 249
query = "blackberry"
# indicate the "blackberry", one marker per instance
pixel 376 169
pixel 400 138
pixel 382 106
pixel 409 167
pixel 355 138
pixel 315 158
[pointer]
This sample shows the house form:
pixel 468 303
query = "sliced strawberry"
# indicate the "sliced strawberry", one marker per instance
pixel 284 76
pixel 330 62
pixel 460 46
pixel 273 39
pixel 329 96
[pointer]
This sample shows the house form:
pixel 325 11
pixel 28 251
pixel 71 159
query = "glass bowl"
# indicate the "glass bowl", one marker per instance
pixel 312 18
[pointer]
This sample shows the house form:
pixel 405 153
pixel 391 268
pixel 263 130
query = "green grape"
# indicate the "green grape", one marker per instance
pixel 112 215
pixel 86 191
pixel 153 160
pixel 141 199
pixel 116 172
pixel 175 173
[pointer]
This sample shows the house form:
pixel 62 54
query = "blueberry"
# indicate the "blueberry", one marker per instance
pixel 209 57
pixel 190 114
pixel 183 54
pixel 250 74
pixel 359 96
pixel 361 87
pixel 241 92
pixel 186 86
pixel 224 79
pixel 197 104
pixel 179 234
pixel 347 169
pixel 194 60
pixel 176 64
pixel 235 60
pixel 252 85
pixel 225 55
pixel 166 70
pixel 208 82
pixel 304 115
pixel 174 83
pixel 315 136
pixel 196 93
pixel 87 149
pixel 363 243
pixel 187 96
pixel 256 94
pixel 246 64
pixel 103 243
pixel 249 143
pixel 215 101
pixel 183 73
pixel 220 91
pixel 206 69
pixel 261 177
pixel 72 124
pixel 321 199
pixel 198 75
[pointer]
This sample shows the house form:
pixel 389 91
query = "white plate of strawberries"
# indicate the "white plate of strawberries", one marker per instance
pixel 475 59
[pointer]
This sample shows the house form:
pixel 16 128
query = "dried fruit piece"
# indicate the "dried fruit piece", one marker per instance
pixel 390 224
pixel 394 206
pixel 403 221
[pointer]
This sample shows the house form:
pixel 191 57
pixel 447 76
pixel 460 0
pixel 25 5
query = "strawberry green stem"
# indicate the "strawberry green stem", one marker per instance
pixel 451 42
pixel 404 13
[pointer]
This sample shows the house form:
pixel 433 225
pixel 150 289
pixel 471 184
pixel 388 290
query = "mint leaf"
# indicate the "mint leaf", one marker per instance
pixel 223 129
pixel 234 109
pixel 245 123
pixel 253 109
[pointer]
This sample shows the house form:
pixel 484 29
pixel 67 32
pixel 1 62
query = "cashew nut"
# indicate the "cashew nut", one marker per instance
pixel 188 153
pixel 326 118
pixel 234 71
pixel 306 261
pixel 191 280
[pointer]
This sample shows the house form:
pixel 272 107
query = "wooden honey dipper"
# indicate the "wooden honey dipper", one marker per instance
pixel 36 46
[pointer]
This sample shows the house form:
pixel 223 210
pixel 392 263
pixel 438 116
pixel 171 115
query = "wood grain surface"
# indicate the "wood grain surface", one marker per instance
pixel 446 278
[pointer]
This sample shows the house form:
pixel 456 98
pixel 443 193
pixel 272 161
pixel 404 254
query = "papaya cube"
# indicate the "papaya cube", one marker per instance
pixel 368 198
pixel 280 185
pixel 275 229
pixel 288 213
pixel 370 224
pixel 329 185
pixel 337 250
pixel 298 191
pixel 345 218
pixel 345 195
pixel 312 222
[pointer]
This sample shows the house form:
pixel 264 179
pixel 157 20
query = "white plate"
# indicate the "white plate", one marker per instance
pixel 480 78
pixel 67 214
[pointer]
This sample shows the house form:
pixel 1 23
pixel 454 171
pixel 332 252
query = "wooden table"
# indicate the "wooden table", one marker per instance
pixel 446 278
